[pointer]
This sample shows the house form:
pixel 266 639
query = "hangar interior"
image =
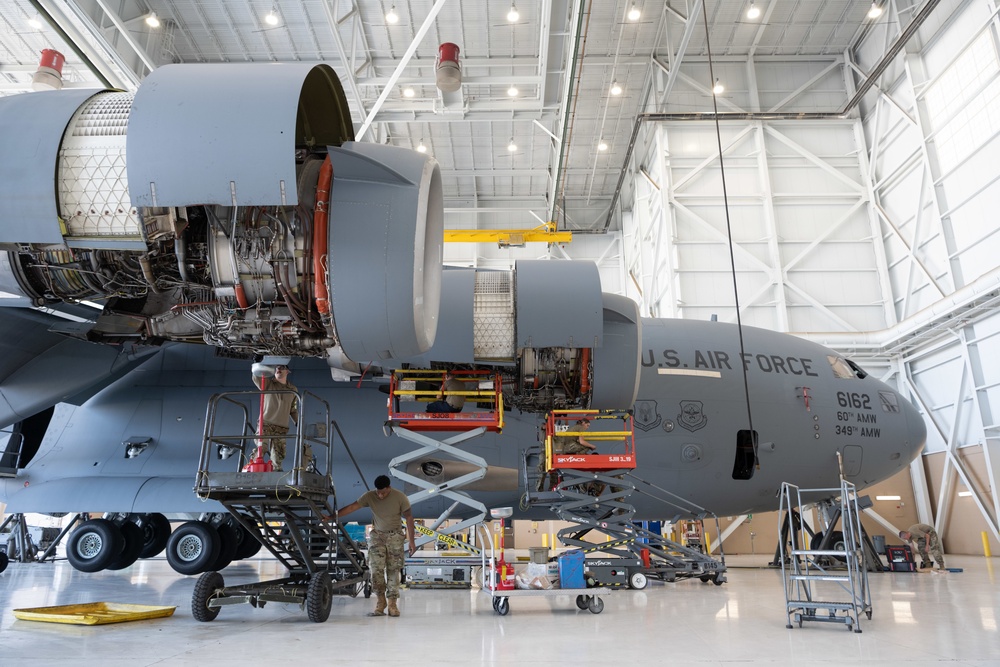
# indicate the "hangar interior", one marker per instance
pixel 850 205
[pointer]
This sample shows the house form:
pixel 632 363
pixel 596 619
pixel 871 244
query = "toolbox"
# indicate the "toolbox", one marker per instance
pixel 900 559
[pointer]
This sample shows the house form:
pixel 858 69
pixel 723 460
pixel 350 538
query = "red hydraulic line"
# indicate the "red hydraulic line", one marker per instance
pixel 320 238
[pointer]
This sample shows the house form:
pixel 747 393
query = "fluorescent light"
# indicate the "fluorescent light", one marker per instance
pixel 512 15
pixel 615 88
pixel 753 12
pixel 512 91
pixel 35 22
pixel 718 88
pixel 152 21
pixel 634 13
pixel 888 498
pixel 271 18
pixel 421 148
pixel 603 146
pixel 408 92
pixel 964 494
pixel 391 16
pixel 875 11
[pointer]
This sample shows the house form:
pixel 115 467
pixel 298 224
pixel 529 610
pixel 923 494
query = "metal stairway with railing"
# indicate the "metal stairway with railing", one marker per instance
pixel 815 589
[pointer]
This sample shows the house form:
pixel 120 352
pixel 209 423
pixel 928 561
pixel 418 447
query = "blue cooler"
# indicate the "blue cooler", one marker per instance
pixel 571 570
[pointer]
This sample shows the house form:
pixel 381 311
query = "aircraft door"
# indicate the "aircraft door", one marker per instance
pixel 852 460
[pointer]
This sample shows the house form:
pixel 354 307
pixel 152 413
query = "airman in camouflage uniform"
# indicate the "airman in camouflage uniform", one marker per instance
pixel 926 539
pixel 385 546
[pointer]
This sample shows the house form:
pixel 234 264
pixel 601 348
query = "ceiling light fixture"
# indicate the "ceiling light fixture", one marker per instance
pixel 271 18
pixel 513 14
pixel 615 88
pixel 35 22
pixel 718 88
pixel 602 146
pixel 421 148
pixel 391 16
pixel 753 12
pixel 634 13
pixel 408 92
pixel 512 91
pixel 152 21
pixel 511 147
pixel 875 11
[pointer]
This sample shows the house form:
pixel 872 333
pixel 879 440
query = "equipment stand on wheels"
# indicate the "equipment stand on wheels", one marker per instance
pixel 292 513
pixel 591 491
pixel 411 425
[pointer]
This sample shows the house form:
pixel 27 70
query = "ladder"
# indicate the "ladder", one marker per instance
pixel 409 386
pixel 592 491
pixel 814 590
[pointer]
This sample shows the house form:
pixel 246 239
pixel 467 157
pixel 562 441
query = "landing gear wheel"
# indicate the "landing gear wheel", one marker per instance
pixel 3 561
pixel 319 597
pixel 247 545
pixel 132 535
pixel 208 587
pixel 155 533
pixel 581 602
pixel 193 547
pixel 229 539
pixel 503 606
pixel 637 581
pixel 94 545
pixel 596 605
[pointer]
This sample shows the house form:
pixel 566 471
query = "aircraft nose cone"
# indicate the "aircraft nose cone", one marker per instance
pixel 916 429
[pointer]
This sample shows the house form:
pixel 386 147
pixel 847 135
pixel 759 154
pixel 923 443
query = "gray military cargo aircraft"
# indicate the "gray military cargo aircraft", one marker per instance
pixel 197 225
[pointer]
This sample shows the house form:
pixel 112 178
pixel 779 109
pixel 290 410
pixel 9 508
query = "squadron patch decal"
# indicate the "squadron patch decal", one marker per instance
pixel 691 416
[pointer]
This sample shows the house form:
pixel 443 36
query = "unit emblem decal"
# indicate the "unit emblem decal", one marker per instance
pixel 646 415
pixel 691 417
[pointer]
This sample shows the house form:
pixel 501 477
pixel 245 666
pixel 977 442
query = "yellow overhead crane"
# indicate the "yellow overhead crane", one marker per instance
pixel 509 237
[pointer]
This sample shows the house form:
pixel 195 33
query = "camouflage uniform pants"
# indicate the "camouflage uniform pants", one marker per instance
pixel 931 543
pixel 277 445
pixel 386 559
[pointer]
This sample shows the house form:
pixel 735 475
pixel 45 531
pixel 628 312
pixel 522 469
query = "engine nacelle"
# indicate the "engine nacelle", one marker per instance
pixel 226 204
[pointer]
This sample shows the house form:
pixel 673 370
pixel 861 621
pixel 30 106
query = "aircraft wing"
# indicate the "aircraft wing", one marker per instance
pixel 40 367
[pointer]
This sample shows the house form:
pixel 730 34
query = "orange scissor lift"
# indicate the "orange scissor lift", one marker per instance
pixel 414 388
pixel 591 492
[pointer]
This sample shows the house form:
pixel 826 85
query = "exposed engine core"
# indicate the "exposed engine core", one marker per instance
pixel 247 262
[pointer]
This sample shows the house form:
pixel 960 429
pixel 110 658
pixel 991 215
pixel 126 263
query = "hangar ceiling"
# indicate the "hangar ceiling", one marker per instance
pixel 540 85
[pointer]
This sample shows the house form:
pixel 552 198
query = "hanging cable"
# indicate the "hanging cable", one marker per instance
pixel 729 236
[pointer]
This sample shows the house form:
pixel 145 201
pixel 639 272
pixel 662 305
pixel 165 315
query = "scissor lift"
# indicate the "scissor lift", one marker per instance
pixel 409 388
pixel 591 491
pixel 290 512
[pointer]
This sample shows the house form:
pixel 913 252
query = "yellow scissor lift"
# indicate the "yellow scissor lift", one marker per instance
pixel 591 491
pixel 414 388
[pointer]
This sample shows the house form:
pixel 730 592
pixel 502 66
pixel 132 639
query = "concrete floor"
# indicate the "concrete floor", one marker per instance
pixel 918 619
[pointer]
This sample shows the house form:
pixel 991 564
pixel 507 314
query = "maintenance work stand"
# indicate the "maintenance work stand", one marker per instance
pixel 289 512
pixel 592 492
pixel 827 584
pixel 445 468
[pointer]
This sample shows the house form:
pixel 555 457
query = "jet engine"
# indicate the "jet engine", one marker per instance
pixel 226 204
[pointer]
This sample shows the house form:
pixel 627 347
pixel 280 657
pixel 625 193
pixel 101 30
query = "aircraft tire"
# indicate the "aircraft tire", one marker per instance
pixel 132 535
pixel 205 589
pixel 319 597
pixel 94 545
pixel 229 540
pixel 155 533
pixel 193 547
pixel 3 561
pixel 248 544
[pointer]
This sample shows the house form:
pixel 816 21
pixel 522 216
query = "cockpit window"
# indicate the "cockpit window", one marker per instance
pixel 845 368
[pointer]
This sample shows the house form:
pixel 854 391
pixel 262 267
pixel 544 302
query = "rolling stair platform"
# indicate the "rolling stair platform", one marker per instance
pixel 830 584
pixel 288 511
pixel 409 390
pixel 592 492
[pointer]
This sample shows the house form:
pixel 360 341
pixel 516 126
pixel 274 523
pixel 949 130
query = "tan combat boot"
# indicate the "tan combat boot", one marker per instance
pixel 393 609
pixel 379 606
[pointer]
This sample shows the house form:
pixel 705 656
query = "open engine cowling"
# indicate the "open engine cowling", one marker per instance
pixel 197 211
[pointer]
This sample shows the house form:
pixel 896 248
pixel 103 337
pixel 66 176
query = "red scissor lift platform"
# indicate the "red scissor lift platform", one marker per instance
pixel 556 429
